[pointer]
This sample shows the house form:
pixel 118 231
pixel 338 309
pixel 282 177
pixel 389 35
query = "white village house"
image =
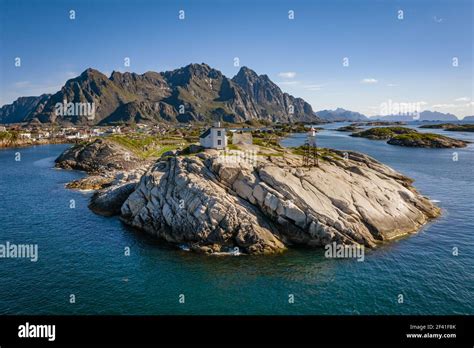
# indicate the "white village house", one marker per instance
pixel 214 138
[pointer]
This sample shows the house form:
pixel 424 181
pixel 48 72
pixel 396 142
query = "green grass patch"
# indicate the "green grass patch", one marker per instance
pixel 146 146
pixel 384 132
pixel 418 136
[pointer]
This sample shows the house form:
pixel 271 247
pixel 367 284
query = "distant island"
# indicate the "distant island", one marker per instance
pixel 403 136
pixel 421 116
pixel 451 127
pixel 340 114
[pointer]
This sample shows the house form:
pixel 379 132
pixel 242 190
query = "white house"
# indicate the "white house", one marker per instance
pixel 214 138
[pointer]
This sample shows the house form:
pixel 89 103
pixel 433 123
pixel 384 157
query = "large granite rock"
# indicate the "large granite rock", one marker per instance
pixel 99 156
pixel 109 200
pixel 113 172
pixel 213 202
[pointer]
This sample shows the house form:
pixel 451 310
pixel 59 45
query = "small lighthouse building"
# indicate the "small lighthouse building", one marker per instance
pixel 214 137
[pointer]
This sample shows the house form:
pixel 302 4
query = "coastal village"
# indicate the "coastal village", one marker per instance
pixel 152 140
pixel 39 133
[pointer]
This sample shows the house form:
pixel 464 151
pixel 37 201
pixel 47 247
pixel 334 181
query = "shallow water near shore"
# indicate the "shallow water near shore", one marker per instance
pixel 82 253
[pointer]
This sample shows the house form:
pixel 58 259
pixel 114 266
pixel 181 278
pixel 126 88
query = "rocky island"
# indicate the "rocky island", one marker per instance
pixel 350 128
pixel 403 136
pixel 113 170
pixel 212 200
pixel 451 127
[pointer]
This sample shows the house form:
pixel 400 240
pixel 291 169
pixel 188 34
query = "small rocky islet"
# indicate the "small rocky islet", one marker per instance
pixel 450 127
pixel 350 128
pixel 403 136
pixel 212 201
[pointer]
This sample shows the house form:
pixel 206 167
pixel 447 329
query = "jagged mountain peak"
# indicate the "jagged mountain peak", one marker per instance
pixel 245 73
pixel 90 72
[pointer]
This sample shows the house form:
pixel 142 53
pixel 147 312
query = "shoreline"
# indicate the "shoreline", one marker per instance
pixel 23 144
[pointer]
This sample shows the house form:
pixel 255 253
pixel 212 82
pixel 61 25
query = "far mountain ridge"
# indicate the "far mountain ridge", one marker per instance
pixel 423 116
pixel 341 114
pixel 22 109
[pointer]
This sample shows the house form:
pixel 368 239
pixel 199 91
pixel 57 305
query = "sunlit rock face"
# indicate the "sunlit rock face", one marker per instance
pixel 214 204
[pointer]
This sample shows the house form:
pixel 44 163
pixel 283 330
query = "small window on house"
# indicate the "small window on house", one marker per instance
pixel 219 133
pixel 219 142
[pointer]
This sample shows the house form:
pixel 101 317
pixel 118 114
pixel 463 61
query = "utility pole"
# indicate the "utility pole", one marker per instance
pixel 310 154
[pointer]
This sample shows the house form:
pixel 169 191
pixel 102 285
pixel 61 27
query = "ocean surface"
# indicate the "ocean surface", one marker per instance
pixel 83 254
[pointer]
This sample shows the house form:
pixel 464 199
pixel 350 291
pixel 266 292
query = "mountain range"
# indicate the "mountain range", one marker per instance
pixel 423 116
pixel 340 114
pixel 195 92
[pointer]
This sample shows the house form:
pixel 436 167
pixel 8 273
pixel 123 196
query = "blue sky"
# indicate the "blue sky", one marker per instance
pixel 405 60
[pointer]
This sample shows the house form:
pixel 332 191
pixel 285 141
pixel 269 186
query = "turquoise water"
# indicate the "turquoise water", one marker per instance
pixel 81 253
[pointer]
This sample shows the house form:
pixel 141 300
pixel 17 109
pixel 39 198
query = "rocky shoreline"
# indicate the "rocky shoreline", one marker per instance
pixel 212 202
pixel 6 143
pixel 113 171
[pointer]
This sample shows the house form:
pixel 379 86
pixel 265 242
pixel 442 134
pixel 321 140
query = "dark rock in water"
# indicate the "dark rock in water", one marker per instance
pixel 349 129
pixel 98 156
pixel 91 182
pixel 114 170
pixel 109 200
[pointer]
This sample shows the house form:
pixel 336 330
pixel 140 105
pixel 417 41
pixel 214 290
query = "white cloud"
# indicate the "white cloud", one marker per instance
pixel 462 99
pixel 287 75
pixel 288 83
pixel 22 84
pixel 391 85
pixel 453 106
pixel 438 19
pixel 313 87
pixel 369 80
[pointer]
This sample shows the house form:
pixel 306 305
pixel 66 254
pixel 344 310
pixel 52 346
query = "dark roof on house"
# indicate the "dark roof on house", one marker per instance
pixel 206 133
